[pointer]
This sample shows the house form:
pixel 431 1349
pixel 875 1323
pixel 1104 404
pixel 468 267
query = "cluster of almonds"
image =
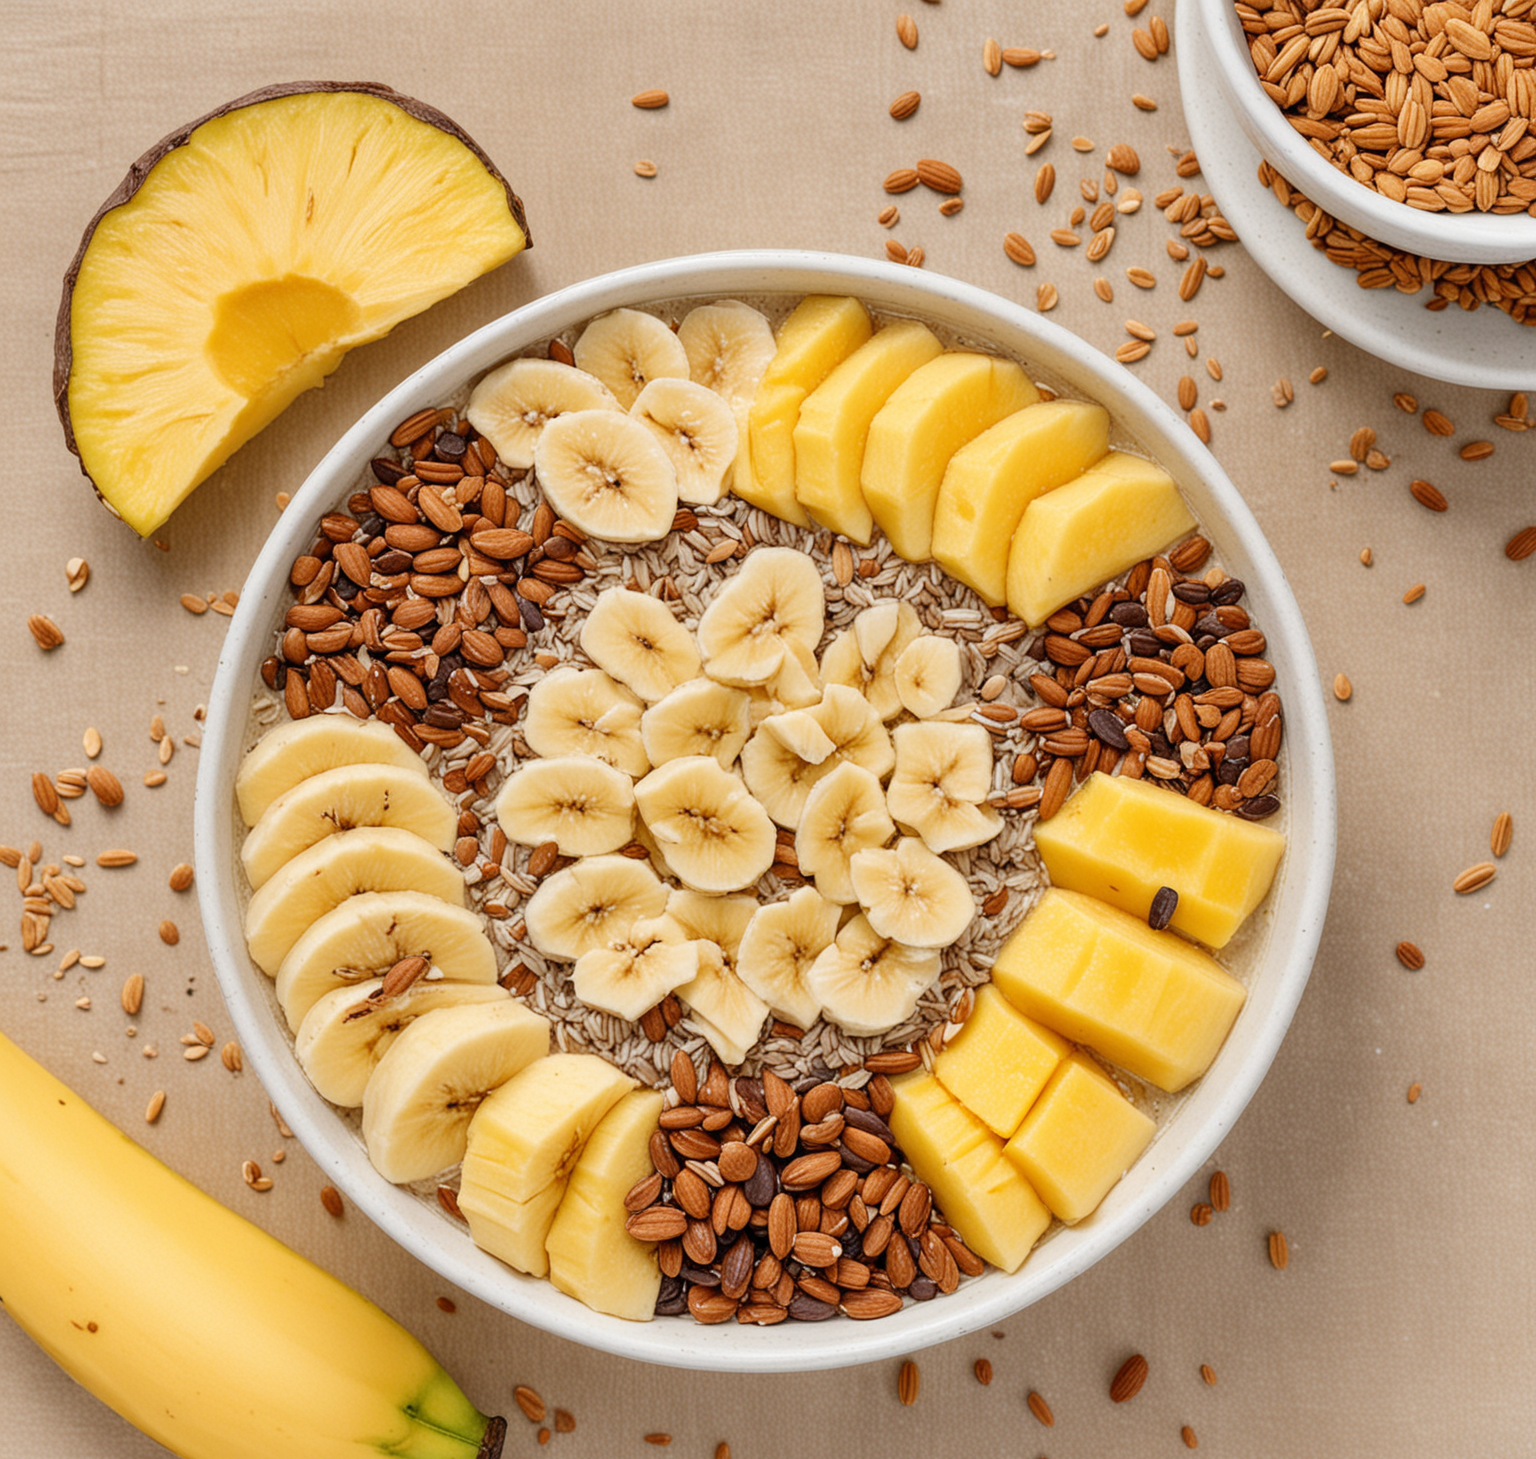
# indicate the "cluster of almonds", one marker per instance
pixel 432 574
pixel 1165 677
pixel 774 1202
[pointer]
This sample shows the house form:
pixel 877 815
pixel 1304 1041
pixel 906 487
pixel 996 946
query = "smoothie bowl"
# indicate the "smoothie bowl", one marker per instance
pixel 765 811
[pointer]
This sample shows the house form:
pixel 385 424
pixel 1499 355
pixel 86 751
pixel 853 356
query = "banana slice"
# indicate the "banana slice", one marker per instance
pixel 584 712
pixel 303 747
pixel 636 640
pixel 728 347
pixel 431 1080
pixel 799 731
pixel 627 349
pixel 781 778
pixel 774 597
pixel 928 675
pixel 629 976
pixel 524 1142
pixel 592 904
pixel 867 984
pixel 943 773
pixel 912 896
pixel 591 1256
pixel 368 859
pixel 368 934
pixel 343 1037
pixel 853 725
pixel 797 685
pixel 696 429
pixel 777 950
pixel 700 717
pixel 337 800
pixel 513 404
pixel 584 806
pixel 844 815
pixel 714 835
pixel 721 1007
pixel 606 473
pixel 864 657
pixel 778 777
pixel 720 920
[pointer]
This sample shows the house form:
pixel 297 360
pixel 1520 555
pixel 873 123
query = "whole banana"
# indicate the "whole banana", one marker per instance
pixel 199 1328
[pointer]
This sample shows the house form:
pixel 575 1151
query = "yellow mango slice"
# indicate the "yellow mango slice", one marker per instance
pixel 1089 531
pixel 991 479
pixel 929 416
pixel 999 1061
pixel 981 1194
pixel 1121 840
pixel 834 424
pixel 1079 1138
pixel 821 332
pixel 1148 1001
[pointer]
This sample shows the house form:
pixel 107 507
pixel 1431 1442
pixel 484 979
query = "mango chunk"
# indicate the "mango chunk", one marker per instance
pixel 990 480
pixel 834 424
pixel 999 1062
pixel 929 416
pixel 981 1194
pixel 821 332
pixel 1089 531
pixel 1121 840
pixel 1148 1001
pixel 1078 1138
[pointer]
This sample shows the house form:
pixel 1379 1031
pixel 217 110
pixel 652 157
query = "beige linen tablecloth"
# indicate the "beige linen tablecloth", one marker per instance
pixel 1403 1325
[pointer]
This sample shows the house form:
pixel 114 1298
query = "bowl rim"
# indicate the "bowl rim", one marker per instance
pixel 1480 238
pixel 1217 1102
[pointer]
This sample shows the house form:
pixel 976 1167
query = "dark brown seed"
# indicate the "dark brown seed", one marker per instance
pixel 1164 904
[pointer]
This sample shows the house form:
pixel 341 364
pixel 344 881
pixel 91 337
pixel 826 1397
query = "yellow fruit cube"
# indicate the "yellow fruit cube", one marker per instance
pixel 929 416
pixel 999 1062
pixel 990 480
pixel 591 1255
pixel 821 332
pixel 1121 840
pixel 981 1194
pixel 834 423
pixel 1148 1001
pixel 1089 531
pixel 1079 1138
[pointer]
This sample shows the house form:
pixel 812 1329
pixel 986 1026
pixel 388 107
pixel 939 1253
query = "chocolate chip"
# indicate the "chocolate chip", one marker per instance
pixel 871 1123
pixel 808 1309
pixel 387 472
pixel 1129 615
pixel 1257 808
pixel 1192 592
pixel 1228 592
pixel 1164 904
pixel 450 447
pixel 533 620
pixel 762 1185
pixel 922 1289
pixel 1146 644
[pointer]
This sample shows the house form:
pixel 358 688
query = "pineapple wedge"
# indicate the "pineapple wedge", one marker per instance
pixel 591 1256
pixel 834 423
pixel 524 1142
pixel 239 261
pixel 982 1195
pixel 822 330
pixel 928 417
pixel 990 480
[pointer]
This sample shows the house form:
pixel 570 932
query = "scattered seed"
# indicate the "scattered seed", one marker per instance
pixel 907 1383
pixel 992 57
pixel 1142 278
pixel 193 604
pixel 1208 1373
pixel 645 168
pixel 906 31
pixel 889 216
pixel 1279 1251
pixel 1041 1410
pixel 77 572
pixel 983 1370
pixel 169 934
pixel 1342 688
pixel 1475 878
pixel 1437 424
pixel 448 1305
pixel 1200 1214
pixel 1405 403
pixel 1476 451
pixel 661 1440
pixel 1164 904
pixel 1410 956
pixel 1017 247
pixel 905 104
pixel 231 1057
pixel 1128 1381
pixel 1503 833
pixel 156 1104
pixel 565 1423
pixel 331 1199
pixel 1221 1191
pixel 650 100
pixel 1046 298
pixel 1414 1090
pixel 530 1403
pixel 1521 545
pixel 1365 557
pixel 950 206
pixel 1188 1435
pixel 47 633
pixel 132 996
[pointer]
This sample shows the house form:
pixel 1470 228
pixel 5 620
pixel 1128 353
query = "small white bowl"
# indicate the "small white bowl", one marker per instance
pixel 1277 960
pixel 1446 237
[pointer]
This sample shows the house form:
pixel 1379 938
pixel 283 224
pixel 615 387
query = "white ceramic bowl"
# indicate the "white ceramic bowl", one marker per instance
pixel 1449 237
pixel 1280 952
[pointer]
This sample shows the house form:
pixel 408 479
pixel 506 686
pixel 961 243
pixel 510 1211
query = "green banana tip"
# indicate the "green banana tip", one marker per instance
pixel 495 1436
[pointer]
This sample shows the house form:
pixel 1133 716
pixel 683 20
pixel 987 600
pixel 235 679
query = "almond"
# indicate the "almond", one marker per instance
pixel 1127 1382
pixel 905 105
pixel 650 100
pixel 903 180
pixel 939 176
pixel 1017 247
pixel 657 1223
